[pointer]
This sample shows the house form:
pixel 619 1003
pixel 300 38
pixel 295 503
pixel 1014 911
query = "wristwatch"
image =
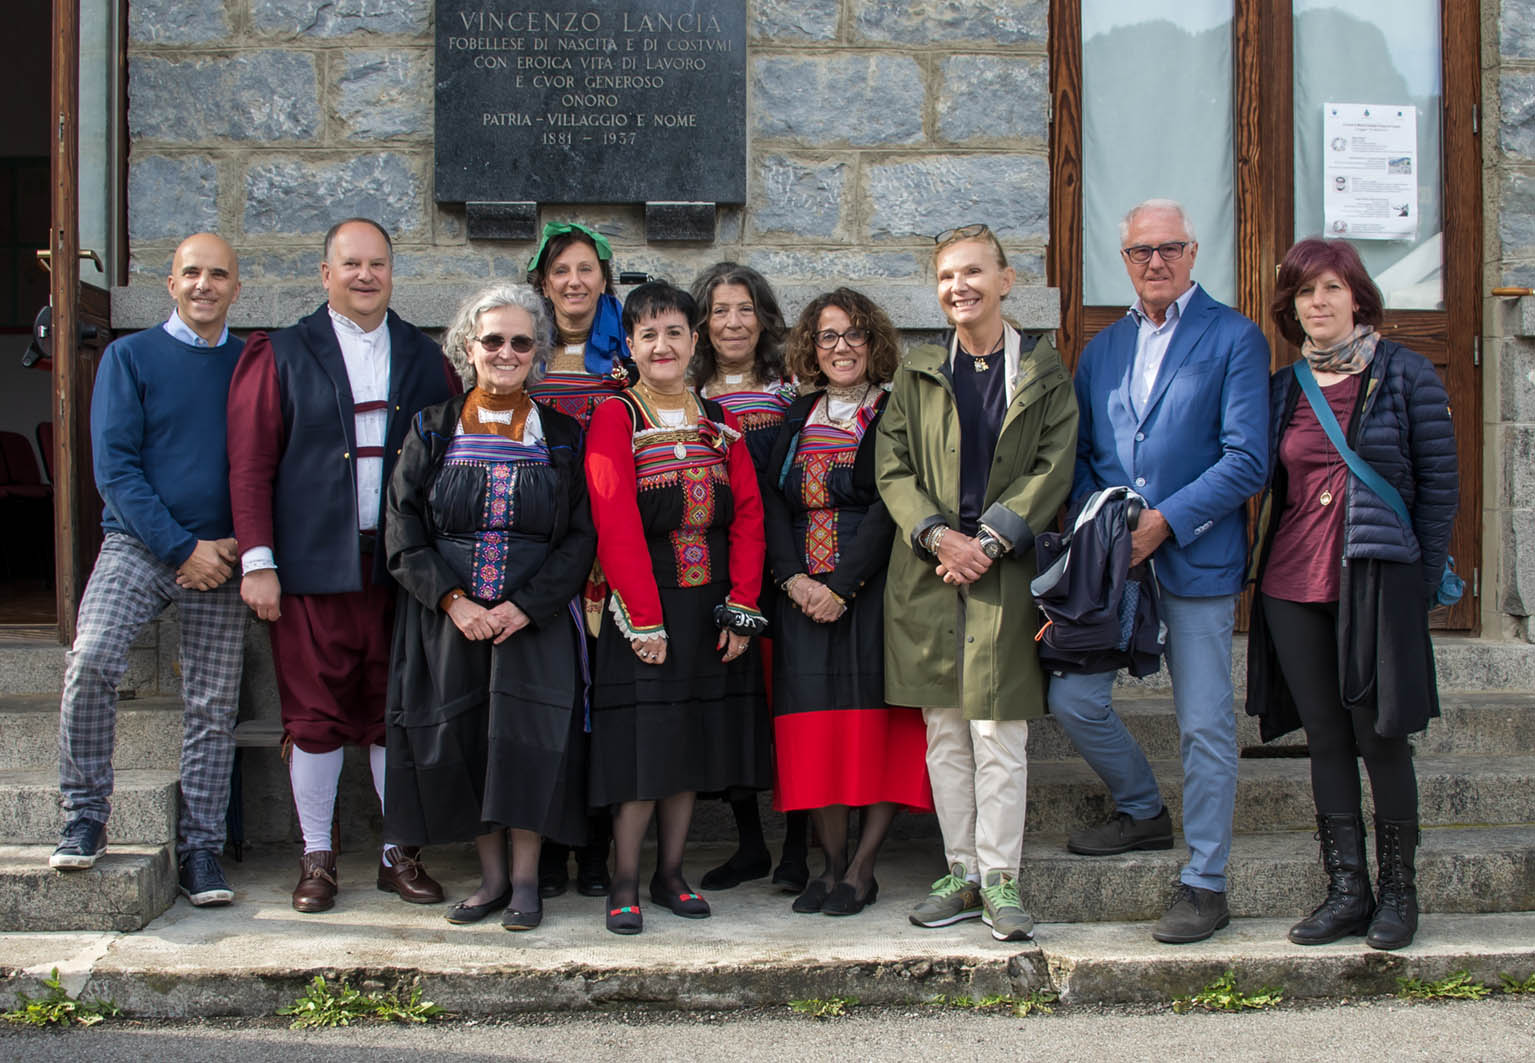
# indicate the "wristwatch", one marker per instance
pixel 990 545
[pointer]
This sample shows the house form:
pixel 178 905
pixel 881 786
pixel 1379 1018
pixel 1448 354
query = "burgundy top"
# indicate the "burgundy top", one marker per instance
pixel 1304 561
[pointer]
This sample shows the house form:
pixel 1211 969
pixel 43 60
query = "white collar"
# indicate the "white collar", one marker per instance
pixel 180 330
pixel 346 324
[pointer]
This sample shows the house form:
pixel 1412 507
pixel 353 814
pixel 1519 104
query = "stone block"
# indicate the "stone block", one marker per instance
pixel 1516 379
pixel 254 96
pixel 501 221
pixel 1516 214
pixel 793 20
pixel 993 97
pixel 1011 193
pixel 299 196
pixel 337 18
pixel 835 266
pixel 989 22
pixel 170 197
pixel 672 220
pixel 382 94
pixel 1519 463
pixel 127 888
pixel 859 100
pixel 177 22
pixel 143 807
pixel 1516 104
pixel 1516 38
pixel 798 198
pixel 479 265
pixel 148 733
pixel 272 264
pixel 1516 596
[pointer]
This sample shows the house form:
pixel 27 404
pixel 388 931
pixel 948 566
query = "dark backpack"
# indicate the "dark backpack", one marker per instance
pixel 1100 614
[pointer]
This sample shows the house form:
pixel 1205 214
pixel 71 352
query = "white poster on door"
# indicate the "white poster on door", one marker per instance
pixel 1370 171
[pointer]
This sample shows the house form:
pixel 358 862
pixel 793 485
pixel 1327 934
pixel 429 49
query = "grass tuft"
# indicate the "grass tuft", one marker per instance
pixel 1223 995
pixel 1458 986
pixel 325 1004
pixel 816 1008
pixel 58 1008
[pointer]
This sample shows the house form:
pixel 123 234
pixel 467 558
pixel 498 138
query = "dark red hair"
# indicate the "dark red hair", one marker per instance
pixel 1306 261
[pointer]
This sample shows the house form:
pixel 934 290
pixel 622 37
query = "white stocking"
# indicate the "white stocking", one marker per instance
pixel 314 777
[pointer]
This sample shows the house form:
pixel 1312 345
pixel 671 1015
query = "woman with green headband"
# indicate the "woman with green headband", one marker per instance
pixel 573 270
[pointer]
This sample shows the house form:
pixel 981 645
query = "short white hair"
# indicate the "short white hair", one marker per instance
pixel 1157 204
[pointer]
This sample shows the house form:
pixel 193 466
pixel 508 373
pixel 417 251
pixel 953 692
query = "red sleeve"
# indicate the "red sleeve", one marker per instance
pixel 748 545
pixel 621 550
pixel 255 442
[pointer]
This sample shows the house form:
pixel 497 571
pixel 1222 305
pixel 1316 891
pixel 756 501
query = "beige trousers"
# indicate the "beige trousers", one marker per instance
pixel 980 775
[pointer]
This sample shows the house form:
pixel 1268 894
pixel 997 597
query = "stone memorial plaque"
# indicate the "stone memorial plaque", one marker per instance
pixel 591 101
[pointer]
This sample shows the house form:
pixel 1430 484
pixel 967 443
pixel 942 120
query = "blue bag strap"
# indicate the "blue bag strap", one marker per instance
pixel 1357 465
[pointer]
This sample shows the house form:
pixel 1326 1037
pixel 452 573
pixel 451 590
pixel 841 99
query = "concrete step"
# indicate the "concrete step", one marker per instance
pixel 148 732
pixel 35 665
pixel 1460 869
pixel 1473 722
pixel 1275 794
pixel 129 886
pixel 143 807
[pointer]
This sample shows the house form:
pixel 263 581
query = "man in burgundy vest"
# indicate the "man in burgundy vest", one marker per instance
pixel 317 414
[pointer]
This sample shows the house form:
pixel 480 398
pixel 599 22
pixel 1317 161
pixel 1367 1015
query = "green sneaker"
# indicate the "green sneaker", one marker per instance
pixel 1004 912
pixel 953 899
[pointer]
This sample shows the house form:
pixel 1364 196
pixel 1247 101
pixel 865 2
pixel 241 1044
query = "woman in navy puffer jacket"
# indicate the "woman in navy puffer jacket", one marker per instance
pixel 1339 636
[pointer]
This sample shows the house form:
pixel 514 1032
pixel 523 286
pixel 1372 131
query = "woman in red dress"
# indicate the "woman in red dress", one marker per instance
pixel 839 744
pixel 677 691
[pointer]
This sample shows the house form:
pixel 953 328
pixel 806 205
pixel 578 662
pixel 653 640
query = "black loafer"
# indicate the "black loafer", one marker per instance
pixel 792 873
pixel 810 899
pixel 687 904
pixel 517 919
pixel 735 871
pixel 627 919
pixel 463 912
pixel 843 900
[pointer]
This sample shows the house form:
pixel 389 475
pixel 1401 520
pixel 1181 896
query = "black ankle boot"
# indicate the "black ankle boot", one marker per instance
pixel 592 858
pixel 1349 903
pixel 1396 914
pixel 793 870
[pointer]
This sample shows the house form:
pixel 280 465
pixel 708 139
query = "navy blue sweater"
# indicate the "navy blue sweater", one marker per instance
pixel 157 439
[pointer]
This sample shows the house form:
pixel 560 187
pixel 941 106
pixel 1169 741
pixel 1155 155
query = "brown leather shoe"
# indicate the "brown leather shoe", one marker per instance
pixel 316 889
pixel 403 874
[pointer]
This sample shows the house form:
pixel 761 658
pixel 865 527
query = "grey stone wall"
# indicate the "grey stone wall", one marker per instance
pixel 872 124
pixel 1508 480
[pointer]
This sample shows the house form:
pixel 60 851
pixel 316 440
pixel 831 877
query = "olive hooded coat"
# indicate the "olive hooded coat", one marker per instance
pixel 917 466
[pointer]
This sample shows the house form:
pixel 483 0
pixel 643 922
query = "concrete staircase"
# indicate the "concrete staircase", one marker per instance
pixel 136 880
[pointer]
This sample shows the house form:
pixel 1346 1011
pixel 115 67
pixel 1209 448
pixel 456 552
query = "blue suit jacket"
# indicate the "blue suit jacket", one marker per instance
pixel 1199 449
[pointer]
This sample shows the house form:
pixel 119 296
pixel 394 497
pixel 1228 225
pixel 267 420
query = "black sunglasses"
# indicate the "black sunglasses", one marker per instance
pixel 494 341
pixel 963 232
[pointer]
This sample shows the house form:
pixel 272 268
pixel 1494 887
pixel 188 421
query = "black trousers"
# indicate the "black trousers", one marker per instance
pixel 1305 636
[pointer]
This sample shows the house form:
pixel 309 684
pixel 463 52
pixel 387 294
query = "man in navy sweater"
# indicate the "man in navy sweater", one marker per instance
pixel 157 437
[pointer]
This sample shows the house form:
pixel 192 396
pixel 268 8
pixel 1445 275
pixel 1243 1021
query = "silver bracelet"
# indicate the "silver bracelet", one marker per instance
pixel 935 537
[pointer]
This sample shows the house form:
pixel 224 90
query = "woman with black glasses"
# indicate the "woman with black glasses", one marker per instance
pixel 491 539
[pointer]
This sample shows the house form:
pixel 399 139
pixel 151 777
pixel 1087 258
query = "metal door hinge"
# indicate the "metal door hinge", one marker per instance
pixel 1476 119
pixel 1476 583
pixel 1476 350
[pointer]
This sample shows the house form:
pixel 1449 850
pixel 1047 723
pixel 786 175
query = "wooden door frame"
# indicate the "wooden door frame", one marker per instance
pixel 1263 193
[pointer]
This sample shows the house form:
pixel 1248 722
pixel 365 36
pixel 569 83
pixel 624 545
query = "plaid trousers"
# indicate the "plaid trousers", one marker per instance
pixel 128 588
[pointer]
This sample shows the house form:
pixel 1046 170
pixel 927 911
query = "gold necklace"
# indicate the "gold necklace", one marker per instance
pixel 978 362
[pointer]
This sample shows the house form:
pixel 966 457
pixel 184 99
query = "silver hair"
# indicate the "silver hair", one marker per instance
pixel 1157 204
pixel 467 320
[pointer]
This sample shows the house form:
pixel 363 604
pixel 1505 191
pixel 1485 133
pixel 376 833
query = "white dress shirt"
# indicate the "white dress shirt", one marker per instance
pixel 180 330
pixel 1151 344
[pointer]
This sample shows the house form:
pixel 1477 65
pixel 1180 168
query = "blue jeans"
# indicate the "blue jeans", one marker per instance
pixel 1199 661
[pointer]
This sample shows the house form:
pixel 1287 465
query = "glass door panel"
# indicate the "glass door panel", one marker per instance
pixel 1156 122
pixel 1385 54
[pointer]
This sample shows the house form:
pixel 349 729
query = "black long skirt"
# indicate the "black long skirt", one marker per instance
pixel 689 723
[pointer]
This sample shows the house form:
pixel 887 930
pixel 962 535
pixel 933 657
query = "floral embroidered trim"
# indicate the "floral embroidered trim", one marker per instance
pixel 627 627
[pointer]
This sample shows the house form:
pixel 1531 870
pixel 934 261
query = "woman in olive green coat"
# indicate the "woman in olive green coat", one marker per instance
pixel 974 456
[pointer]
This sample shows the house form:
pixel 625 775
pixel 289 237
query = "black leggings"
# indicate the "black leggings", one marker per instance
pixel 1305 637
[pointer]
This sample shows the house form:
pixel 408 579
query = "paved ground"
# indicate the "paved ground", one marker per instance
pixel 249 958
pixel 1497 1029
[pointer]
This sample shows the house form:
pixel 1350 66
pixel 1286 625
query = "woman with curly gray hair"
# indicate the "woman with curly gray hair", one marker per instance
pixel 490 537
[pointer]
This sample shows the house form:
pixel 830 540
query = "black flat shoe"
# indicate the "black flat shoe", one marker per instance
pixel 516 919
pixel 791 874
pixel 811 899
pixel 463 913
pixel 843 901
pixel 687 904
pixel 626 920
pixel 735 871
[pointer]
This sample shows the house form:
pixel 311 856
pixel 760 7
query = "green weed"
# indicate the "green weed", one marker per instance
pixel 1457 986
pixel 1040 1000
pixel 1512 985
pixel 1223 995
pixel 816 1008
pixel 324 1004
pixel 58 1008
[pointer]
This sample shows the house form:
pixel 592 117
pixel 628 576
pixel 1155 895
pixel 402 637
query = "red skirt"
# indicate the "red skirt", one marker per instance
pixel 851 757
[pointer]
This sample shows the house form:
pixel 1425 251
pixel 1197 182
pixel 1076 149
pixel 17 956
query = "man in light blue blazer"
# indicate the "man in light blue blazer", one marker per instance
pixel 1174 403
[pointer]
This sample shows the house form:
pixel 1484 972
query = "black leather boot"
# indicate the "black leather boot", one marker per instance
pixel 1396 912
pixel 1349 903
